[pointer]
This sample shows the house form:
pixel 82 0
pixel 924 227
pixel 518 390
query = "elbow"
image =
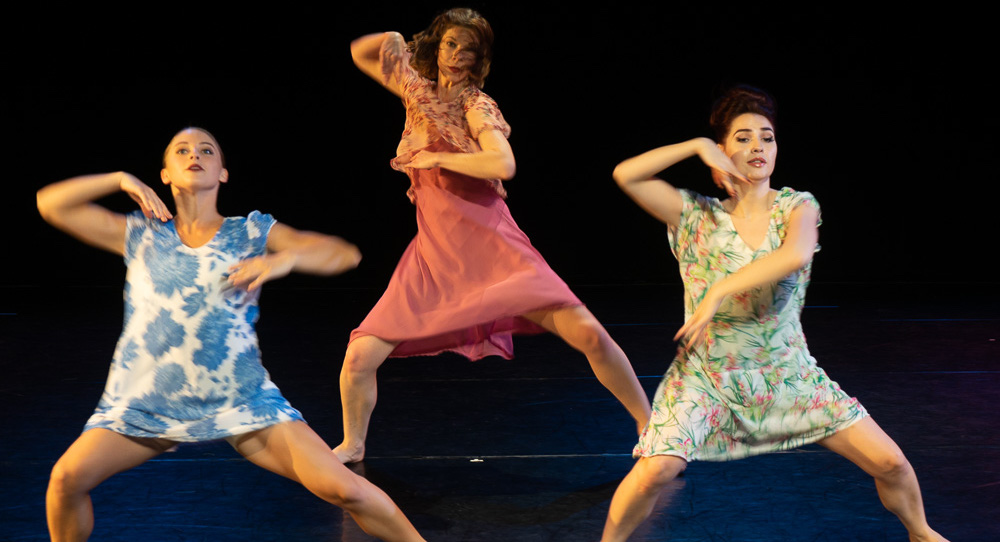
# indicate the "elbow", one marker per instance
pixel 620 177
pixel 45 206
pixel 507 170
pixel 348 257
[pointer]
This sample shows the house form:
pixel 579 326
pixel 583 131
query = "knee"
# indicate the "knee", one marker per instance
pixel 892 466
pixel 357 362
pixel 347 494
pixel 65 479
pixel 657 471
pixel 590 336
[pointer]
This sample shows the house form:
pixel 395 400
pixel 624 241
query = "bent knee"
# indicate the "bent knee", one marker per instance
pixel 66 479
pixel 892 465
pixel 589 336
pixel 346 494
pixel 657 471
pixel 359 361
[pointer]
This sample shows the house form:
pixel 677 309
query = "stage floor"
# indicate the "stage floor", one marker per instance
pixel 529 449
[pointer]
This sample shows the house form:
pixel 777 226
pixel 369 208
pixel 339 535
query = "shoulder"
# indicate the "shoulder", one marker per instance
pixel 789 200
pixel 259 224
pixel 483 113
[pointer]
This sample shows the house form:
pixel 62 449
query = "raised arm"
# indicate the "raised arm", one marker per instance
pixel 377 61
pixel 68 205
pixel 636 176
pixel 795 252
pixel 294 250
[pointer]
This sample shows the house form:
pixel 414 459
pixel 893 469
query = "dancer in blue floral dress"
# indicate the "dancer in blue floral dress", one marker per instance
pixel 743 381
pixel 187 366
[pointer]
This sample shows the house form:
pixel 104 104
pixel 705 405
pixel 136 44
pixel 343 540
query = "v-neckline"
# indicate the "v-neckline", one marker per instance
pixel 207 242
pixel 770 219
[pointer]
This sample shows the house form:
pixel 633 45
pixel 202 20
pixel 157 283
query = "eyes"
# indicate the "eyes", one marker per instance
pixel 207 151
pixel 451 45
pixel 746 139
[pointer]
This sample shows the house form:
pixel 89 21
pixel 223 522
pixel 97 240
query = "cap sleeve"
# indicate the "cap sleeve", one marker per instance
pixel 788 201
pixel 698 219
pixel 136 225
pixel 258 226
pixel 482 114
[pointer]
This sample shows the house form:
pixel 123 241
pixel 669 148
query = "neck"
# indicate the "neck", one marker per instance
pixel 196 210
pixel 448 89
pixel 751 199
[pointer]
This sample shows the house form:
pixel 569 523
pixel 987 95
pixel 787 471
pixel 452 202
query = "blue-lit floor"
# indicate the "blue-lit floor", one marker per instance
pixel 529 449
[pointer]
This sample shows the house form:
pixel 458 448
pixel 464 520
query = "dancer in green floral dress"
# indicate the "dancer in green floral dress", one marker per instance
pixel 743 382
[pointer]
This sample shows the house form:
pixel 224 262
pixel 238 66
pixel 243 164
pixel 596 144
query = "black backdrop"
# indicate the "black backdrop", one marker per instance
pixel 886 116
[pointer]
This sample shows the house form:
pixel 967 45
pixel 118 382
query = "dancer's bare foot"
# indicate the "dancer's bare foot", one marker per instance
pixel 348 453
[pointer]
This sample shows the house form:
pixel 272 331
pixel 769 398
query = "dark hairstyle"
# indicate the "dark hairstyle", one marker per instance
pixel 425 44
pixel 736 101
pixel 218 147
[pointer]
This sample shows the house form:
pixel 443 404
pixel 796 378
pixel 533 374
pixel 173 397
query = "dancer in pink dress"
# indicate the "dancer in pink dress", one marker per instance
pixel 470 278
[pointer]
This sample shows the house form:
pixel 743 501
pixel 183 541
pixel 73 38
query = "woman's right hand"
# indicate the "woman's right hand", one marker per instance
pixel 150 204
pixel 724 171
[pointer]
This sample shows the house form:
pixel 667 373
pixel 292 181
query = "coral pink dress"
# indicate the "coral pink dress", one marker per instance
pixel 470 272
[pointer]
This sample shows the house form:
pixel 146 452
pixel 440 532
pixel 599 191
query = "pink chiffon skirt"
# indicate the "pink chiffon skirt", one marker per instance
pixel 466 278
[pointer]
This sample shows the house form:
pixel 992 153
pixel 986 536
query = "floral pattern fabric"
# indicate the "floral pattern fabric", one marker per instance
pixel 752 387
pixel 430 121
pixel 187 366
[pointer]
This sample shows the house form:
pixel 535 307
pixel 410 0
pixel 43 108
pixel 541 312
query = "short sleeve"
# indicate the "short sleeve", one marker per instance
pixel 482 114
pixel 698 218
pixel 136 225
pixel 258 226
pixel 788 201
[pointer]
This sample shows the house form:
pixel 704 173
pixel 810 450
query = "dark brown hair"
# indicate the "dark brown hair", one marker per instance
pixel 736 101
pixel 425 44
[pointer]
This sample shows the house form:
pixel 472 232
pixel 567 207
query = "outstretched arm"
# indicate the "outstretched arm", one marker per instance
pixel 293 250
pixel 494 161
pixel 377 61
pixel 636 176
pixel 795 252
pixel 68 205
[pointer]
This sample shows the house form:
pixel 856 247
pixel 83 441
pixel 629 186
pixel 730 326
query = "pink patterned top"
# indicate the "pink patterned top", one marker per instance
pixel 428 119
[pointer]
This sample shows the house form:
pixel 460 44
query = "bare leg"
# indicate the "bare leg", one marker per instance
pixel 93 458
pixel 637 494
pixel 295 451
pixel 867 446
pixel 578 327
pixel 358 393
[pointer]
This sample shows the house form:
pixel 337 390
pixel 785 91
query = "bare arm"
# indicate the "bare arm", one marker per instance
pixel 636 176
pixel 68 205
pixel 494 161
pixel 367 52
pixel 294 250
pixel 795 252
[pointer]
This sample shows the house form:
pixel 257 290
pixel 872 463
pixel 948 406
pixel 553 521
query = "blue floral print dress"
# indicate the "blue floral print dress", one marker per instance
pixel 187 366
pixel 752 387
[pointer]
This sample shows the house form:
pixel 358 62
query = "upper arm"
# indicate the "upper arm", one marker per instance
pixel 802 233
pixel 91 224
pixel 366 52
pixel 656 197
pixel 316 253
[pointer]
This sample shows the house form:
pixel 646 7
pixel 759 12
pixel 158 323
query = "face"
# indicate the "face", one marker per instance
pixel 193 160
pixel 456 55
pixel 751 146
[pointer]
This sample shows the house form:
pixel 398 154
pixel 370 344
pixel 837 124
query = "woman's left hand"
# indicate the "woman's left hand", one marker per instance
pixel 419 160
pixel 252 273
pixel 694 332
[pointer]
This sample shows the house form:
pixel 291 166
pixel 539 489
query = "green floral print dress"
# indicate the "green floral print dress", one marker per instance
pixel 752 387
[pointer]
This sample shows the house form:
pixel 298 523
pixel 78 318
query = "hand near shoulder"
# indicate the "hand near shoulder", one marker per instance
pixel 150 204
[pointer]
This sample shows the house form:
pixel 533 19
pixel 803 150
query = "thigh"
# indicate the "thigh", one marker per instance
pixel 293 450
pixel 99 454
pixel 866 445
pixel 575 325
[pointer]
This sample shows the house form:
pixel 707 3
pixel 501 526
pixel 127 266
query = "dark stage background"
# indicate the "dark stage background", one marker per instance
pixel 884 115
